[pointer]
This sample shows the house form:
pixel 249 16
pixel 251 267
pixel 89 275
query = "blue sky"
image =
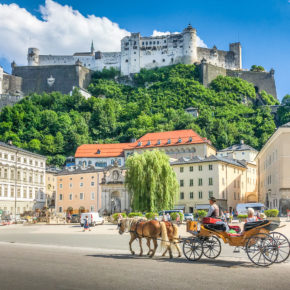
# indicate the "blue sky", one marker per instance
pixel 262 27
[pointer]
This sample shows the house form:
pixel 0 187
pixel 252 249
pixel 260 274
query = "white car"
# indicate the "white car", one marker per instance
pixel 93 217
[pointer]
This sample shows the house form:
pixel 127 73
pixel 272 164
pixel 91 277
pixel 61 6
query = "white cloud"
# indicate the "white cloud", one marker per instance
pixel 200 42
pixel 61 30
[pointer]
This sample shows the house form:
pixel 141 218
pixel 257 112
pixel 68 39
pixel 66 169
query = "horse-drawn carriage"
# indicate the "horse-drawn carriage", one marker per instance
pixel 258 239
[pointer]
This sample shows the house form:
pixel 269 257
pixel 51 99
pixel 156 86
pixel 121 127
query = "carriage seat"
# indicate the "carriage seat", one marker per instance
pixel 215 227
pixel 252 225
pixel 235 228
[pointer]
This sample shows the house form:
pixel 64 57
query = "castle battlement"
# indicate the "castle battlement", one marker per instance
pixel 148 52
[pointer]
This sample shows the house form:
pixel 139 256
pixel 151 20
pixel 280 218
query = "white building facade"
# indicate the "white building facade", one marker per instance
pixel 25 186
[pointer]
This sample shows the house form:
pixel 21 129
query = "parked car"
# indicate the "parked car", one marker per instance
pixel 75 218
pixel 188 217
pixel 94 218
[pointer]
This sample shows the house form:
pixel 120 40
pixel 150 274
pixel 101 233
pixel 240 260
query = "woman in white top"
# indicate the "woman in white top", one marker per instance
pixel 251 217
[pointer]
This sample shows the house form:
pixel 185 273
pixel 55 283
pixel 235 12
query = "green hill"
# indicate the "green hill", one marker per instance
pixel 55 124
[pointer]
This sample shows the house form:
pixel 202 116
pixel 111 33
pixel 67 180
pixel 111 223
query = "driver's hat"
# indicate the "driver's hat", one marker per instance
pixel 212 199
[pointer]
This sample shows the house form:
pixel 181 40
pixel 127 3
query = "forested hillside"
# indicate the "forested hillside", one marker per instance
pixel 55 124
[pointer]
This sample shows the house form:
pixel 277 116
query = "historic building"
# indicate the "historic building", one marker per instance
pixel 274 170
pixel 230 181
pixel 22 179
pixel 51 186
pixel 79 190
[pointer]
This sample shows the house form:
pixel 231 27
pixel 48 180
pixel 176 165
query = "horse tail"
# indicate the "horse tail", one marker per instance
pixel 164 237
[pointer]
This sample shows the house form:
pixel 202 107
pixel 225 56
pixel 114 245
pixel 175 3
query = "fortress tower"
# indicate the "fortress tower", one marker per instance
pixel 1 80
pixel 33 56
pixel 189 45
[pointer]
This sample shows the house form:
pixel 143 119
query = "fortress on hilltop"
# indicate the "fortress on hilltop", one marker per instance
pixel 47 73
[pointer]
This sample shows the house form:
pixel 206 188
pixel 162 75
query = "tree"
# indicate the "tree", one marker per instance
pixel 151 181
pixel 257 68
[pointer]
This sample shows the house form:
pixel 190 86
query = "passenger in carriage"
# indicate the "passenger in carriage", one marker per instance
pixel 251 216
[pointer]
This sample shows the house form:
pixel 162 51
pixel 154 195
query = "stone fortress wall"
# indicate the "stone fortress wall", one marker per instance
pixel 146 52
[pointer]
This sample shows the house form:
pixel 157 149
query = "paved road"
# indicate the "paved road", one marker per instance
pixel 62 257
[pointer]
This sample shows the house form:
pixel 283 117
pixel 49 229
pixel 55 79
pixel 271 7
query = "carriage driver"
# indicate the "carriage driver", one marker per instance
pixel 214 210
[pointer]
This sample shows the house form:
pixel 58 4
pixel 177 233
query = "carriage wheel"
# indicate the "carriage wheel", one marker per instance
pixel 262 249
pixel 283 246
pixel 211 247
pixel 192 249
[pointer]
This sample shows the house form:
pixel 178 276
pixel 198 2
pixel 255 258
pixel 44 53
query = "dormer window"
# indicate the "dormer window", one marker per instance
pixel 139 143
pixel 149 143
pixel 99 151
pixel 190 139
pixel 179 140
pixel 158 142
pixel 169 141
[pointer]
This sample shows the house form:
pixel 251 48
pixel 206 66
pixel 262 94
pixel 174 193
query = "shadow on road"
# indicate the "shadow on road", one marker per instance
pixel 216 263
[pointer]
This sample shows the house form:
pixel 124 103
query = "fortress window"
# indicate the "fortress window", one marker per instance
pixel 150 42
pixel 154 60
pixel 143 43
pixel 157 42
pixel 134 52
pixel 135 43
pixel 164 41
pixel 163 60
pixel 126 60
pixel 146 42
pixel 153 42
pixel 171 59
pixel 127 43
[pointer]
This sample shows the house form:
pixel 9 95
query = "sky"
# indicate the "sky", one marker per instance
pixel 64 27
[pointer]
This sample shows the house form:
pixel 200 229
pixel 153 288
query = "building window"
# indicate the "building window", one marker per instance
pixel 191 168
pixel 92 196
pixel 181 169
pixel 18 193
pixel 223 167
pixel 191 182
pixel 81 196
pixel 181 183
pixel 5 192
pixel 12 191
pixel 181 195
pixel 5 173
pixel 200 181
pixel 30 193
pixel 25 193
pixel 92 183
pixel 70 185
pixel 60 197
pixel 60 209
pixel 235 197
pixel 92 208
pixel 60 186
pixel 235 184
pixel 210 167
pixel 210 194
pixel 70 196
pixel 210 182
pixel 223 181
pixel 199 167
pixel 223 195
pixel 191 195
pixel 200 194
pixel 81 184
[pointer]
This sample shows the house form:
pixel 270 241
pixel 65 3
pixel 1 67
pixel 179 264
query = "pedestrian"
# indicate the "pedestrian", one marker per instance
pixel 178 218
pixel 228 216
pixel 68 217
pixel 168 217
pixel 164 217
pixel 288 215
pixel 86 224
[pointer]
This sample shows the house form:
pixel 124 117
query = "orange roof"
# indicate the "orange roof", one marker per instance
pixel 169 138
pixel 150 140
pixel 101 150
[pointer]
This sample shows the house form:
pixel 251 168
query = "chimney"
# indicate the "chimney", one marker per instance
pixel 10 142
pixel 242 142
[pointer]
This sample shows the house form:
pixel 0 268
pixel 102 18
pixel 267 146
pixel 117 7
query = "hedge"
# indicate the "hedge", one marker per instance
pixel 173 216
pixel 133 214
pixel 201 213
pixel 271 212
pixel 242 216
pixel 151 215
pixel 115 215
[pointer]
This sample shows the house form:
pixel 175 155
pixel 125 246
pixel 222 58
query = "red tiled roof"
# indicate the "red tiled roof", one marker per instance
pixel 101 150
pixel 160 139
pixel 179 137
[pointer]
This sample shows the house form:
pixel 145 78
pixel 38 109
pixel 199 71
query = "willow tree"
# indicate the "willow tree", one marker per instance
pixel 151 181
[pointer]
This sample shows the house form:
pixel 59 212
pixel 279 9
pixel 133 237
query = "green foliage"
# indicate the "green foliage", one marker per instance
pixel 257 68
pixel 271 212
pixel 116 215
pixel 283 112
pixel 133 214
pixel 151 215
pixel 268 99
pixel 242 216
pixel 173 216
pixel 151 181
pixel 55 124
pixel 201 213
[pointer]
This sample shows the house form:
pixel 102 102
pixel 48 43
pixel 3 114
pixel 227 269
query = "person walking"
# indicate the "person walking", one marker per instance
pixel 86 224
pixel 288 215
pixel 228 216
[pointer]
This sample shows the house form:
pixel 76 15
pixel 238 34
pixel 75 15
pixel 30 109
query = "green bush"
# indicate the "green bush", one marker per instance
pixel 173 216
pixel 242 216
pixel 115 215
pixel 201 213
pixel 271 212
pixel 133 214
pixel 151 215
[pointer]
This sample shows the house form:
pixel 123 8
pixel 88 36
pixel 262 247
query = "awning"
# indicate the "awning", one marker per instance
pixel 179 207
pixel 202 206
